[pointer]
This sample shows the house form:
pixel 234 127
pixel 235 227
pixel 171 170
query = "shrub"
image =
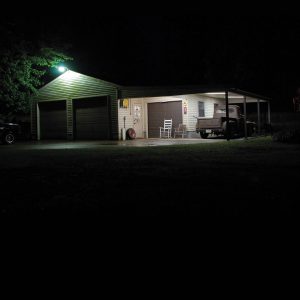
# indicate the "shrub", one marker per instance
pixel 291 135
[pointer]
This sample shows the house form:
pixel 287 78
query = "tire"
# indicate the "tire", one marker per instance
pixel 8 138
pixel 130 134
pixel 203 135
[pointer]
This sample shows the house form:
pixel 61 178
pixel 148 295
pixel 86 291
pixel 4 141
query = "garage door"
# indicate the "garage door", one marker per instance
pixel 91 119
pixel 53 120
pixel 157 112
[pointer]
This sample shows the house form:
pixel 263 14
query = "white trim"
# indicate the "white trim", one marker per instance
pixel 73 98
pixel 93 96
pixel 53 100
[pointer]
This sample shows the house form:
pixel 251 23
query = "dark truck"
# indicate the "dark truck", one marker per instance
pixel 217 124
pixel 8 132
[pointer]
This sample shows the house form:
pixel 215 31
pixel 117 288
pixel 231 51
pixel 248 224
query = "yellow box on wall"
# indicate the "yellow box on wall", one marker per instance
pixel 124 103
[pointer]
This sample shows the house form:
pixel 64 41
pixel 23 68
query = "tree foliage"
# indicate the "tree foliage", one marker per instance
pixel 23 65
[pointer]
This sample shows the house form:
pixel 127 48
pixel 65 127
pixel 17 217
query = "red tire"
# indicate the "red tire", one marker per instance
pixel 130 134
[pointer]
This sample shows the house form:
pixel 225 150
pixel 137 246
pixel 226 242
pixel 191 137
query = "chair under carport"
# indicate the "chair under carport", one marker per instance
pixel 180 131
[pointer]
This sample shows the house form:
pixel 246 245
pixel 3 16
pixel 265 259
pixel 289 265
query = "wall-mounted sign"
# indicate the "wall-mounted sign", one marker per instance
pixel 185 107
pixel 124 103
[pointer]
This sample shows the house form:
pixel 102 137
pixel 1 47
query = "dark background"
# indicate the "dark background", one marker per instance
pixel 258 53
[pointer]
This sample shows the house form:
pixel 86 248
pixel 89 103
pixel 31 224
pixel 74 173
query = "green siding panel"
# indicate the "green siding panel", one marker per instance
pixel 72 85
pixel 114 117
pixel 69 107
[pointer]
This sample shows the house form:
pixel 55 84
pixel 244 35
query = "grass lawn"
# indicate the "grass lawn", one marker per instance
pixel 255 177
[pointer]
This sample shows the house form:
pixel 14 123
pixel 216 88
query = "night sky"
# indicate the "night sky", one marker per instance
pixel 258 54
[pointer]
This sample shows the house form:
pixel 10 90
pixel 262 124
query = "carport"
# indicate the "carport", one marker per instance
pixel 236 96
pixel 148 107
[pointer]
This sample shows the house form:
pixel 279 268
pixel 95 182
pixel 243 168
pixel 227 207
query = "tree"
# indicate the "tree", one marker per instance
pixel 23 65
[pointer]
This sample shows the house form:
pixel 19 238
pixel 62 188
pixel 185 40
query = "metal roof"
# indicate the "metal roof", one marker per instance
pixel 73 82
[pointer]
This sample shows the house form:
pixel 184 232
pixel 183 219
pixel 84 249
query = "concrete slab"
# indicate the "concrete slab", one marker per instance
pixel 165 142
pixel 47 145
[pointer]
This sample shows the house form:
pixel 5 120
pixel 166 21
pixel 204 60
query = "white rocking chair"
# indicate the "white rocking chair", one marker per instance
pixel 166 131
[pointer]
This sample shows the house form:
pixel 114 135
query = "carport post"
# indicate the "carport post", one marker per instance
pixel 269 113
pixel 245 117
pixel 227 117
pixel 258 116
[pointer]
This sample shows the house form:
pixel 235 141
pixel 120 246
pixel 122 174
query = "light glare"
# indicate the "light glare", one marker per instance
pixel 62 69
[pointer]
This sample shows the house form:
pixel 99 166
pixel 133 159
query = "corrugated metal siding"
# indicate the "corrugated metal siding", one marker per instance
pixel 69 106
pixel 113 103
pixel 72 85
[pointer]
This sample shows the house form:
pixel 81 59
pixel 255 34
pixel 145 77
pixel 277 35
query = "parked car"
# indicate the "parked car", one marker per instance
pixel 8 132
pixel 217 125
